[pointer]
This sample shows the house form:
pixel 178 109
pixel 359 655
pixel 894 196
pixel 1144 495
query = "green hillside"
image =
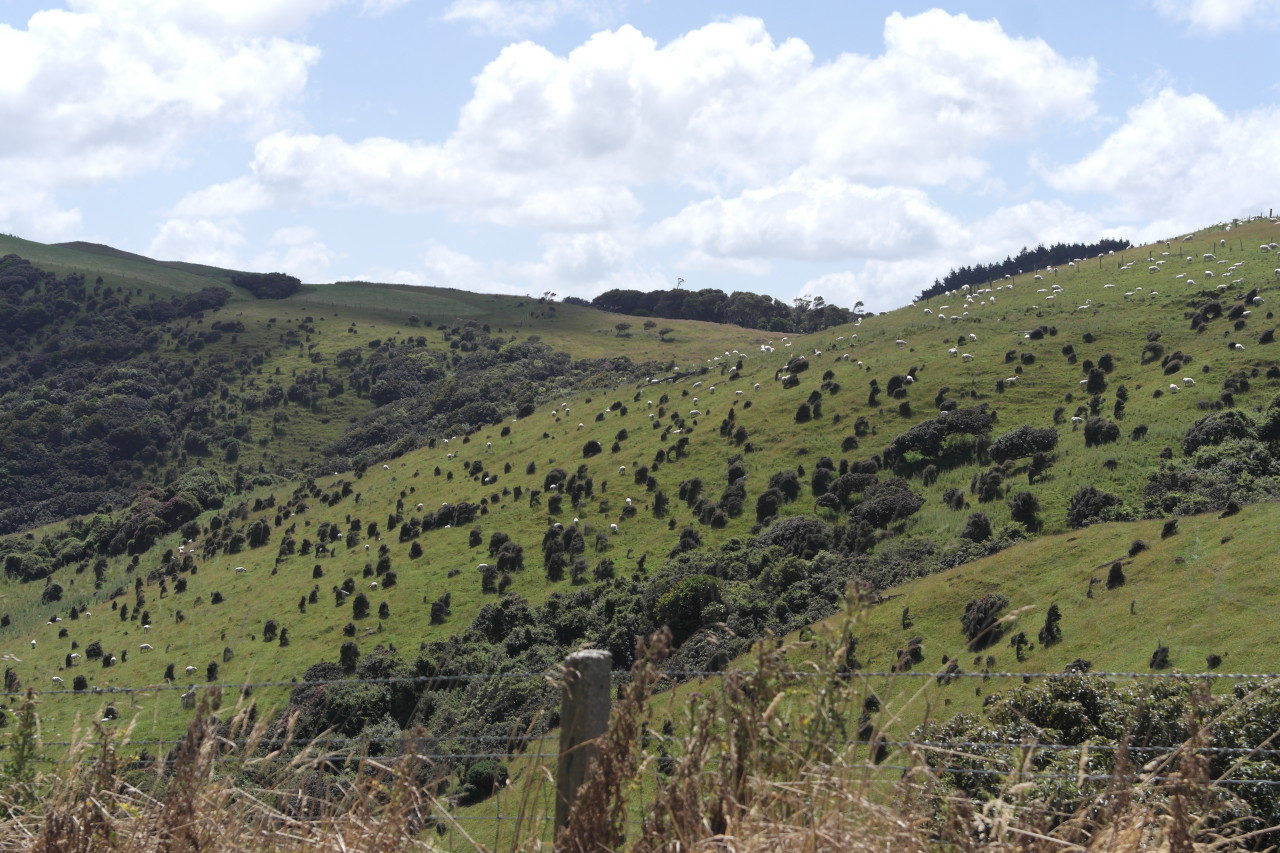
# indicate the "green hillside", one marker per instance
pixel 647 478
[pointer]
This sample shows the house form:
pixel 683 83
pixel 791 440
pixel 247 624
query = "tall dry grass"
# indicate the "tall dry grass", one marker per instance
pixel 765 760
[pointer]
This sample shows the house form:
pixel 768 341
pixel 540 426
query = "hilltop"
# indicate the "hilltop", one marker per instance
pixel 419 482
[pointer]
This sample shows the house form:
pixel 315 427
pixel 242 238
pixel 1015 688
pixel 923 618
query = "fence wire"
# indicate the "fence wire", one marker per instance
pixel 622 676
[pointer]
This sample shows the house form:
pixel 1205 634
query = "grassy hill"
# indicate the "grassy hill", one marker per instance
pixel 715 410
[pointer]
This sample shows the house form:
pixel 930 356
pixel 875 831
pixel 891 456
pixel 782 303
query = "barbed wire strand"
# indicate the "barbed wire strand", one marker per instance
pixel 550 677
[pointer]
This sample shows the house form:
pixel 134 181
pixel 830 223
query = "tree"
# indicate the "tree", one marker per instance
pixel 1023 442
pixel 348 656
pixel 1024 508
pixel 1089 505
pixel 360 606
pixel 621 329
pixel 1052 630
pixel 979 620
pixel 681 607
pixel 663 333
pixel 977 528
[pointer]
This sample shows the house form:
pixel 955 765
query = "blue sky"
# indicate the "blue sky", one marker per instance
pixel 855 151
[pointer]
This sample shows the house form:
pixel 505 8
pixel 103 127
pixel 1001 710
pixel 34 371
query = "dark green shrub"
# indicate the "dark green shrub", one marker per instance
pixel 977 528
pixel 1052 630
pixel 979 620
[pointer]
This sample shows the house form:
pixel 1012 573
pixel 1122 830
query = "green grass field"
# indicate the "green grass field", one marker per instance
pixel 1194 592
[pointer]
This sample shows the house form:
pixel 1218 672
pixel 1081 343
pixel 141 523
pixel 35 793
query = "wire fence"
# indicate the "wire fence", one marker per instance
pixel 622 676
pixel 875 758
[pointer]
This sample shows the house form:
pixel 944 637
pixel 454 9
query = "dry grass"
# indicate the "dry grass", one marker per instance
pixel 766 761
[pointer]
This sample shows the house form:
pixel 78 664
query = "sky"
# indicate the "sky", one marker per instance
pixel 855 151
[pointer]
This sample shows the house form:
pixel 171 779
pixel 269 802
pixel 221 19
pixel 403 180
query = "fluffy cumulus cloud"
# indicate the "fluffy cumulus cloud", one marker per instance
pixel 811 218
pixel 550 141
pixel 200 241
pixel 1177 157
pixel 1218 16
pixel 521 17
pixel 298 251
pixel 133 81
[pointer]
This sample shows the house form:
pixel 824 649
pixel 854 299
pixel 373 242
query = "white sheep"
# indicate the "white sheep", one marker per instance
pixel 75 656
pixel 1188 381
pixel 900 342
pixel 57 680
pixel 190 670
pixel 968 356
pixel 1077 420
pixel 613 528
pixel 373 584
pixel 1237 346
pixel 146 627
pixel 972 337
pixel 622 469
pixel 241 569
pixel 145 647
pixel 1173 388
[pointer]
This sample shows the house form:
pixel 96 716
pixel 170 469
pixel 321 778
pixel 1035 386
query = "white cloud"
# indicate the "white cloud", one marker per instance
pixel 811 218
pixel 577 259
pixel 34 214
pixel 113 90
pixel 521 17
pixel 562 142
pixel 214 17
pixel 1178 160
pixel 837 288
pixel 233 198
pixel 298 251
pixel 1218 16
pixel 445 267
pixel 200 241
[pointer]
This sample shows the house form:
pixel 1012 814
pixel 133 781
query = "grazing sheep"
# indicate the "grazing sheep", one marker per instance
pixel 613 528
pixel 145 647
pixel 1077 420
pixel 75 656
pixel 190 670
pixel 241 569
pixel 57 680
pixel 1174 388
pixel 1188 382
pixel 33 644
pixel 1237 346
pixel 900 342
pixel 373 584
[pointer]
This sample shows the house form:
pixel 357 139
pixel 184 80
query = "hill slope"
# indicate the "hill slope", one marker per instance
pixel 740 496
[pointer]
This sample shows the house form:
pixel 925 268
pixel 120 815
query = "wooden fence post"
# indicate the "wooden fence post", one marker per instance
pixel 584 716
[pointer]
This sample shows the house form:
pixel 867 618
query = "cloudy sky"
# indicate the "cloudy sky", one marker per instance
pixel 853 150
